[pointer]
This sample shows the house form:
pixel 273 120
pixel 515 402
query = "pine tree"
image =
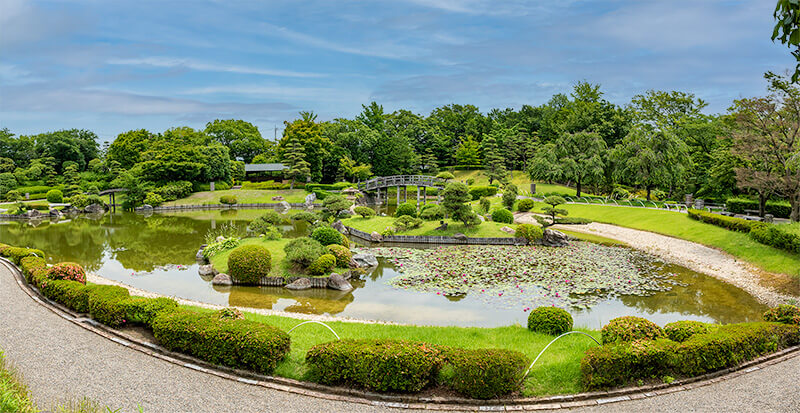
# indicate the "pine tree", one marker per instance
pixel 493 160
pixel 427 162
pixel 294 160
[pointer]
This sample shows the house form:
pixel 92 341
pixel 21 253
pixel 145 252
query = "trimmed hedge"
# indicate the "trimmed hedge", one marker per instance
pixel 71 294
pixel 55 196
pixel 342 254
pixel 525 205
pixel 230 342
pixel 16 254
pixel 485 373
pixel 380 365
pixel 502 215
pixel 780 209
pixel 550 320
pixel 478 192
pixel 529 231
pixel 630 328
pixel 323 265
pixel 784 313
pixel 248 263
pixel 731 223
pixel 776 236
pixel 143 310
pixel 228 200
pixel 67 271
pixel 105 304
pixel 327 236
pixel 407 208
pixel 681 331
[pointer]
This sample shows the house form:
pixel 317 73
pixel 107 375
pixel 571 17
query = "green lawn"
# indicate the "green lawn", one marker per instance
pixel 244 196
pixel 518 178
pixel 14 395
pixel 378 224
pixel 557 372
pixel 280 267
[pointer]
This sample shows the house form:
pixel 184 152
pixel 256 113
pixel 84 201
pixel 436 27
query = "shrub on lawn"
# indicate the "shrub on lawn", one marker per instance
pixel 323 265
pixel 778 236
pixel 342 254
pixel 622 362
pixel 144 310
pixel 407 208
pixel 525 205
pixel 380 365
pixel 228 200
pixel 365 212
pixel 529 231
pixel 485 204
pixel 630 328
pixel 681 331
pixel 407 222
pixel 248 263
pixel 784 313
pixel 307 216
pixel 550 320
pixel 502 215
pixel 327 236
pixel 484 373
pixel 230 342
pixel 55 196
pixel 431 212
pixel 731 223
pixel 266 224
pixel 303 251
pixel 67 271
pixel 105 304
pixel 477 192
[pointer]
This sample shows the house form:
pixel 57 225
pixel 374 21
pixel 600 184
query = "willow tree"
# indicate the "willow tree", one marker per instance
pixel 650 158
pixel 576 157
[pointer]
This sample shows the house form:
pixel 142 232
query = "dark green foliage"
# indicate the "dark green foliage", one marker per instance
pixel 550 320
pixel 407 208
pixel 406 222
pixel 681 331
pixel 248 263
pixel 144 310
pixel 510 193
pixel 55 196
pixel 778 209
pixel 228 200
pixel 106 304
pixel 502 215
pixel 174 190
pixel 529 231
pixel 620 363
pixel 380 365
pixel 327 236
pixel 431 212
pixel 365 212
pixel 552 208
pixel 307 216
pixel 484 373
pixel 323 265
pixel 525 205
pixel 630 328
pixel 303 251
pixel 230 342
pixel 334 204
pixel 784 313
pixel 342 254
pixel 731 223
pixel 485 204
pixel 778 236
pixel 478 192
pixel 266 222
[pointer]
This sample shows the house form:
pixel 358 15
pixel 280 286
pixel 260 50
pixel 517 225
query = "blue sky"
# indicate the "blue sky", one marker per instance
pixel 112 65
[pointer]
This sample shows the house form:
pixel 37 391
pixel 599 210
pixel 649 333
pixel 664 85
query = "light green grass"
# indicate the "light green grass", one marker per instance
pixel 597 239
pixel 378 224
pixel 557 372
pixel 244 196
pixel 14 395
pixel 519 178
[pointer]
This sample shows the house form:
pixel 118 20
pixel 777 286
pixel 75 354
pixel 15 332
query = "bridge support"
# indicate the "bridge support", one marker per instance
pixel 398 195
pixel 424 195
pixel 418 197
pixel 378 197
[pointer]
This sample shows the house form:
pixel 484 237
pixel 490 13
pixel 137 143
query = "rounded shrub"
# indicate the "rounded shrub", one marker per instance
pixel 323 265
pixel 485 205
pixel 365 212
pixel 248 263
pixel 484 373
pixel 529 231
pixel 55 196
pixel 629 328
pixel 228 200
pixel 67 271
pixel 550 320
pixel 406 209
pixel 681 331
pixel 153 199
pixel 784 313
pixel 502 215
pixel 525 205
pixel 342 254
pixel 303 251
pixel 79 201
pixel 406 222
pixel 13 196
pixel 431 212
pixel 327 236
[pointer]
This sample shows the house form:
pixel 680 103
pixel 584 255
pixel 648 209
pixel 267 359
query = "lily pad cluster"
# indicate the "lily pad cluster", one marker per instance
pixel 577 276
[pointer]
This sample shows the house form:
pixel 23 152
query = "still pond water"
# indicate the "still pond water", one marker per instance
pixel 157 254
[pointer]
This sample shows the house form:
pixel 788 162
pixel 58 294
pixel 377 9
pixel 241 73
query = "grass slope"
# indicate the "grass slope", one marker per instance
pixel 378 224
pixel 518 178
pixel 244 196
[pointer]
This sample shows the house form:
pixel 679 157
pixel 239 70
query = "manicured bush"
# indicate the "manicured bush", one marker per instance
pixel 342 254
pixel 228 200
pixel 734 224
pixel 365 212
pixel 484 373
pixel 630 328
pixel 67 271
pixel 303 251
pixel 573 221
pixel 407 222
pixel 477 192
pixel 529 231
pixel 502 215
pixel 105 304
pixel 445 175
pixel 307 216
pixel 510 193
pixel 55 196
pixel 230 342
pixel 407 208
pixel 323 265
pixel 71 294
pixel 778 236
pixel 266 223
pixel 380 365
pixel 681 331
pixel 79 201
pixel 230 313
pixel 525 205
pixel 431 212
pixel 784 313
pixel 327 236
pixel 485 204
pixel 15 254
pixel 29 265
pixel 779 209
pixel 248 263
pixel 550 320
pixel 144 310
pixel 623 362
pixel 153 199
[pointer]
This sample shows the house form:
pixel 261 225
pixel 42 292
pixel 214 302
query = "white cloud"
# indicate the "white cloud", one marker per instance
pixel 170 62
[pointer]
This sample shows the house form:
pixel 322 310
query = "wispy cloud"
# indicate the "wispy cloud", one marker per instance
pixel 170 62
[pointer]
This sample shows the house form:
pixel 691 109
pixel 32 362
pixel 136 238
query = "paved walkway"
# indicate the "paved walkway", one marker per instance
pixel 60 360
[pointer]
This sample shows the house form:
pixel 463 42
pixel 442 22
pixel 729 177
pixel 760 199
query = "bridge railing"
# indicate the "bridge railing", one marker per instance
pixel 401 180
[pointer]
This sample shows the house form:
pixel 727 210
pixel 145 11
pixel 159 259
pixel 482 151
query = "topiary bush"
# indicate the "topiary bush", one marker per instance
pixel 67 271
pixel 431 212
pixel 342 254
pixel 529 231
pixel 79 201
pixel 153 199
pixel 379 365
pixel 327 236
pixel 230 342
pixel 630 328
pixel 143 310
pixel 407 222
pixel 323 265
pixel 16 254
pixel 731 223
pixel 784 313
pixel 304 251
pixel 550 320
pixel 502 215
pixel 30 264
pixel 228 200
pixel 248 263
pixel 307 216
pixel 265 224
pixel 365 212
pixel 525 205
pixel 477 192
pixel 55 196
pixel 71 294
pixel 681 331
pixel 105 304
pixel 484 373
pixel 407 208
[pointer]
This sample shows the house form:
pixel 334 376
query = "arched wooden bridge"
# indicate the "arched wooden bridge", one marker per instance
pixel 422 182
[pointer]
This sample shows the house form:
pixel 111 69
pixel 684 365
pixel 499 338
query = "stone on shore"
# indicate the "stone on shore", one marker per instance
pixel 337 282
pixel 300 284
pixel 222 279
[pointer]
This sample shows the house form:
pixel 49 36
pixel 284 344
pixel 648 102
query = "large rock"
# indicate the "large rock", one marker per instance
pixel 553 238
pixel 94 209
pixel 54 213
pixel 310 198
pixel 300 284
pixel 207 269
pixel 376 237
pixel 222 279
pixel 507 230
pixel 337 282
pixel 277 198
pixel 459 236
pixel 364 260
pixel 340 227
pixel 199 256
pixel 285 207
pixel 32 213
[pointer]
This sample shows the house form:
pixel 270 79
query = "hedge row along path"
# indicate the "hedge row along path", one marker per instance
pixel 60 360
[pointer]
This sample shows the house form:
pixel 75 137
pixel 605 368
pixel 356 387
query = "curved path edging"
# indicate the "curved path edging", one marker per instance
pixel 382 400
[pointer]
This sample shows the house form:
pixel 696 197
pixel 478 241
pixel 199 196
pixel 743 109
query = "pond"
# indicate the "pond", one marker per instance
pixel 157 254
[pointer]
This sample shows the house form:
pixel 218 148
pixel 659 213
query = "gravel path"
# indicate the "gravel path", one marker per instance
pixel 692 255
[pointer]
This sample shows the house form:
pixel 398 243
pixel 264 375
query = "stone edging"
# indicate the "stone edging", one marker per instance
pixel 397 401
